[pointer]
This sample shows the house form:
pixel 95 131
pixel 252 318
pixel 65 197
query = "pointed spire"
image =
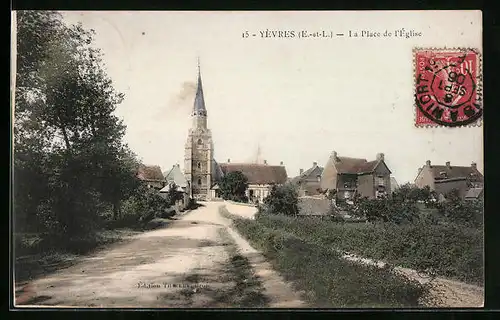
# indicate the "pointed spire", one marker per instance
pixel 199 100
pixel 199 72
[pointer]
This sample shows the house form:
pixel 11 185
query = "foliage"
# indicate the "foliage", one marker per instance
pixel 333 281
pixel 459 211
pixel 70 163
pixel 385 210
pixel 173 195
pixel 412 193
pixel 233 186
pixel 451 250
pixel 282 199
pixel 144 206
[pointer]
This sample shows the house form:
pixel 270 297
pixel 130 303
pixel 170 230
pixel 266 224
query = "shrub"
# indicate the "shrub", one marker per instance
pixel 233 186
pixel 144 206
pixel 385 210
pixel 282 200
pixel 456 210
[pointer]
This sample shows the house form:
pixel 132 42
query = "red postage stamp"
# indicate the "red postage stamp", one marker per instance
pixel 448 89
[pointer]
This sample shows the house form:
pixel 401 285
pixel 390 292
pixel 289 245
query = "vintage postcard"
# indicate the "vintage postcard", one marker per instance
pixel 247 159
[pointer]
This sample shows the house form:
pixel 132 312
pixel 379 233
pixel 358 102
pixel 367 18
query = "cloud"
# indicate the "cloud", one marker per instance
pixel 179 104
pixel 184 99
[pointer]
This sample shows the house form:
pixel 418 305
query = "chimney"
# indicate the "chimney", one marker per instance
pixel 228 160
pixel 334 155
pixel 473 165
pixel 380 156
pixel 281 163
pixel 301 171
pixel 265 161
pixel 315 164
pixel 448 164
pixel 428 163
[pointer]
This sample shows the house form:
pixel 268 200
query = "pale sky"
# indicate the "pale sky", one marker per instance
pixel 299 99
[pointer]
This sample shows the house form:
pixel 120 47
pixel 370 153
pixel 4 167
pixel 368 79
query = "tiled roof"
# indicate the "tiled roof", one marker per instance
pixel 367 167
pixel 257 173
pixel 176 176
pixel 350 165
pixel 306 173
pixel 146 172
pixel 452 172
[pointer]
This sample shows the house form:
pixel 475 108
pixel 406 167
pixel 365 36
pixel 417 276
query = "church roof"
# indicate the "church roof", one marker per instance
pixel 257 173
pixel 176 176
pixel 199 100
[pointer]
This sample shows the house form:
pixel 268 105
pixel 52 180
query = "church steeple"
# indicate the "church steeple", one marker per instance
pixel 199 101
pixel 199 149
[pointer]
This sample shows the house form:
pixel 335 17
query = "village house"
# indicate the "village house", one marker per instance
pixel 261 177
pixel 308 182
pixel 442 179
pixel 346 177
pixel 175 178
pixel 151 176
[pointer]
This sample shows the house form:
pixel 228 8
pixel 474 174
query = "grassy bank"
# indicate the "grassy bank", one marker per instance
pixel 446 250
pixel 331 280
pixel 41 254
pixel 38 255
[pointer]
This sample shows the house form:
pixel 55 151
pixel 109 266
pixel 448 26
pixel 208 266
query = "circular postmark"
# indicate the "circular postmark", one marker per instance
pixel 446 87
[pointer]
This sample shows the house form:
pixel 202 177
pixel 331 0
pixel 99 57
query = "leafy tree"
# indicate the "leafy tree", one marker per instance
pixel 69 158
pixel 233 186
pixel 282 199
pixel 412 193
pixel 173 194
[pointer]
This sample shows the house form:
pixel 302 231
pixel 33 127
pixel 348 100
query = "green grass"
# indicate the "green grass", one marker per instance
pixel 450 250
pixel 37 255
pixel 329 280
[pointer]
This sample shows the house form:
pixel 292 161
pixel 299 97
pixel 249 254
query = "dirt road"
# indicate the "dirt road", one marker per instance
pixel 198 261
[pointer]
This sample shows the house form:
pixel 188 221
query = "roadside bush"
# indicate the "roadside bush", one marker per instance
pixel 233 186
pixel 384 210
pixel 334 281
pixel 282 200
pixel 144 206
pixel 456 210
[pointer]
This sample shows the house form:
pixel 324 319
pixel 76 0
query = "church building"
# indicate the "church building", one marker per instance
pixel 201 170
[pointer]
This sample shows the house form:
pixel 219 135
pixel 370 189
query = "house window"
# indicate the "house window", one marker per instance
pixel 199 165
pixel 199 181
pixel 200 142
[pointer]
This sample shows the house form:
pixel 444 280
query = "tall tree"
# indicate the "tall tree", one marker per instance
pixel 233 186
pixel 66 133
